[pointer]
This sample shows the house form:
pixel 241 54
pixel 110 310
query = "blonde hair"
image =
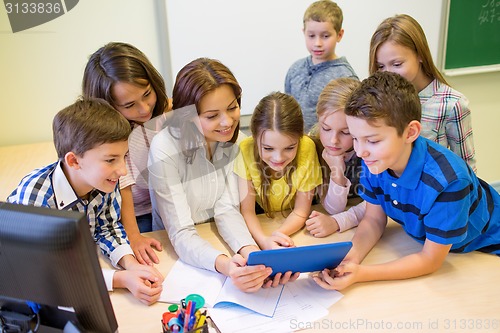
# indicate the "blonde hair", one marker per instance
pixel 335 95
pixel 404 30
pixel 277 112
pixel 332 99
pixel 324 11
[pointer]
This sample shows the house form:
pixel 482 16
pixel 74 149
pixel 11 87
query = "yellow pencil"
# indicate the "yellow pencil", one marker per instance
pixel 201 322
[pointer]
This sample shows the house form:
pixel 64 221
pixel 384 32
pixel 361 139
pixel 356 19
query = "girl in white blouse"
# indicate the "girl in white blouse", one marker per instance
pixel 191 174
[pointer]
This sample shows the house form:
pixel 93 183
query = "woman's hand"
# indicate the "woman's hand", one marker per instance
pixel 247 278
pixel 280 279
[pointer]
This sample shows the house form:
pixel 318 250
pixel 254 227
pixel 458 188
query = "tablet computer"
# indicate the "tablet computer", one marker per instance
pixel 302 258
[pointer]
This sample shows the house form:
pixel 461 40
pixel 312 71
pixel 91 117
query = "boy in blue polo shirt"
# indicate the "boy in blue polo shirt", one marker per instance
pixel 91 140
pixel 426 188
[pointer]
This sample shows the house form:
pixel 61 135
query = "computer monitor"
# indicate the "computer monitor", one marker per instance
pixel 48 257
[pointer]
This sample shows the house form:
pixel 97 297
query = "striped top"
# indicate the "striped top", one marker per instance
pixel 439 198
pixel 137 168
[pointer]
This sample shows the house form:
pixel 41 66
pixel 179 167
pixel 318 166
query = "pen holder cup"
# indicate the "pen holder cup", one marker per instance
pixel 201 329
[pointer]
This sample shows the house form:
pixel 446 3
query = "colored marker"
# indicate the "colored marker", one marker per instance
pixel 192 316
pixel 187 315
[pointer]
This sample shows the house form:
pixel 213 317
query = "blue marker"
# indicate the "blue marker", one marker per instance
pixel 192 317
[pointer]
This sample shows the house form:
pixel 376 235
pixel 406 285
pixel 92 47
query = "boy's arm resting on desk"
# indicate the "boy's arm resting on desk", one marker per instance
pixel 427 261
pixel 369 231
pixel 142 246
pixel 424 262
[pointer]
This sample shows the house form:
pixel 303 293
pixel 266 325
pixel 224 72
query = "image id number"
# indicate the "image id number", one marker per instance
pixel 471 324
pixel 33 8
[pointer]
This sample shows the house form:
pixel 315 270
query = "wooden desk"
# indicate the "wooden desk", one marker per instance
pixel 463 296
pixel 19 160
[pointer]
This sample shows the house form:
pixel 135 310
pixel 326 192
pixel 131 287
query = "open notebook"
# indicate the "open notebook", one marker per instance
pixel 216 289
pixel 299 301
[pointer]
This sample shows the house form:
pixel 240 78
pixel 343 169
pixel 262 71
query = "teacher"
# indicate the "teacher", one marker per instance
pixel 191 174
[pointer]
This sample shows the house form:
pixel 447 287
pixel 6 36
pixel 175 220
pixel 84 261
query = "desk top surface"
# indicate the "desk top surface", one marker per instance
pixel 463 296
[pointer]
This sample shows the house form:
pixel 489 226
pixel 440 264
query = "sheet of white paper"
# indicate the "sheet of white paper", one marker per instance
pixel 289 313
pixel 263 301
pixel 310 292
pixel 184 279
pixel 302 303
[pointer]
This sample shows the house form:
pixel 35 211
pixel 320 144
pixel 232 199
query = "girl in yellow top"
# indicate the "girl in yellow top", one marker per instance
pixel 278 169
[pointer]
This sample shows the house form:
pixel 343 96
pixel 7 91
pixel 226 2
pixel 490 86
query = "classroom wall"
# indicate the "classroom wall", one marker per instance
pixel 41 68
pixel 259 40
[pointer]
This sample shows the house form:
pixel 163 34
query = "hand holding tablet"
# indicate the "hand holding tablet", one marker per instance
pixel 301 259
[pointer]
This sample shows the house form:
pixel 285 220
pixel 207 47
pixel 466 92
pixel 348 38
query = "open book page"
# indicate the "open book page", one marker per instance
pixel 184 279
pixel 263 301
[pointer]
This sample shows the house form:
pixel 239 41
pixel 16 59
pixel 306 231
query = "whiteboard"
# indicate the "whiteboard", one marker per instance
pixel 259 40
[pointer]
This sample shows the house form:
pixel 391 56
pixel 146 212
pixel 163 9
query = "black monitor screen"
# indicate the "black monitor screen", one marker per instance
pixel 48 257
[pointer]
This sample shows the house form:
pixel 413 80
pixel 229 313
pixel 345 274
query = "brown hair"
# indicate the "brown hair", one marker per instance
pixel 122 62
pixel 324 11
pixel 406 31
pixel 388 97
pixel 278 112
pixel 87 123
pixel 196 79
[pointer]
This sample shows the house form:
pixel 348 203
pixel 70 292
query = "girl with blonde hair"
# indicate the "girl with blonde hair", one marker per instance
pixel 340 165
